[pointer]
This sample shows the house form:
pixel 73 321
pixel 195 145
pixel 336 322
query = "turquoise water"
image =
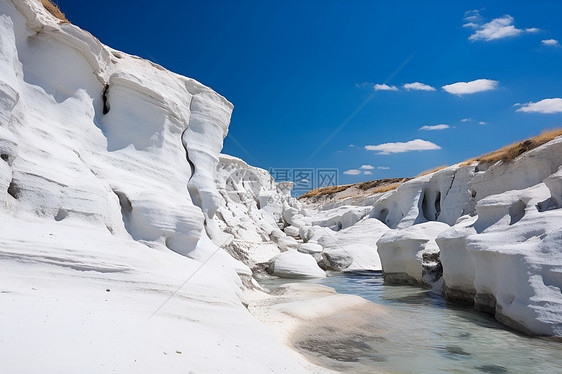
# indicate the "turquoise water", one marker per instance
pixel 440 337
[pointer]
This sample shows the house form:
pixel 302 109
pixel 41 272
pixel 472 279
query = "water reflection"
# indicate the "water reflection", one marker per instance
pixel 435 336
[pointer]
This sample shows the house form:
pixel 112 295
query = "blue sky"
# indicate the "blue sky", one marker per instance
pixel 302 74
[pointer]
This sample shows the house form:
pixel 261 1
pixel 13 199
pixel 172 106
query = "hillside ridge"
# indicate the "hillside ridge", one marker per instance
pixel 505 154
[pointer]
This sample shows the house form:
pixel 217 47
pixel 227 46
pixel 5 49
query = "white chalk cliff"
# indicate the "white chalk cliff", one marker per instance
pixel 487 235
pixel 127 237
pixel 109 205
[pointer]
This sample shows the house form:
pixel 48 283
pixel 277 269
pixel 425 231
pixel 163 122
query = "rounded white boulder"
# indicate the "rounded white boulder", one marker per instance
pixel 310 248
pixel 292 231
pixel 293 264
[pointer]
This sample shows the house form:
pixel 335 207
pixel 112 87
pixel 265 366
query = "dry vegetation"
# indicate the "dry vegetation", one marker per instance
pixel 373 187
pixel 379 185
pixel 388 187
pixel 431 171
pixel 505 154
pixel 54 10
pixel 326 190
pixel 510 152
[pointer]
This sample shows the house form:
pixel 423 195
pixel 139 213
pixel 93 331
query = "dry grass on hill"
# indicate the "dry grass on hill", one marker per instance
pixel 376 186
pixel 505 154
pixel 326 190
pixel 431 171
pixel 510 152
pixel 388 187
pixel 380 185
pixel 54 10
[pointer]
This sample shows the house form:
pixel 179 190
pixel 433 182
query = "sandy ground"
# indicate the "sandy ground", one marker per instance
pixel 328 332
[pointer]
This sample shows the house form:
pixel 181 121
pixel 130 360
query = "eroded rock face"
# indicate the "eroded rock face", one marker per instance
pixel 489 230
pixel 107 179
pixel 350 249
pixel 97 167
pixel 508 255
pixel 493 231
pixel 252 212
pixel 410 255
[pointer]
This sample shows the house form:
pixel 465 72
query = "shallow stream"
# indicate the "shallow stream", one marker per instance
pixel 437 336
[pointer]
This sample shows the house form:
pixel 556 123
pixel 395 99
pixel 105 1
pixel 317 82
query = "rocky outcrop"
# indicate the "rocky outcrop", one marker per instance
pixel 509 258
pixel 111 167
pixel 252 213
pixel 491 231
pixel 108 197
pixel 410 255
pixel 62 86
pixel 293 264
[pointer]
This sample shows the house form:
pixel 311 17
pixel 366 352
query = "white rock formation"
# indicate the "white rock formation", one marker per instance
pixel 494 230
pixel 103 221
pixel 410 255
pixel 251 212
pixel 353 248
pixel 313 249
pixel 292 231
pixel 293 264
pixel 108 179
pixel 69 106
pixel 509 259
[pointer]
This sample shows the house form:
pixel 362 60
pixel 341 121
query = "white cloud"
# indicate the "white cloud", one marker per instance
pixel 418 87
pixel 367 167
pixel 482 123
pixel 498 28
pixel 367 172
pixel 399 147
pixel 551 42
pixel 305 180
pixel 383 168
pixel 466 119
pixel 435 127
pixel 472 15
pixel 546 106
pixel 385 87
pixel 478 85
pixel 352 172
